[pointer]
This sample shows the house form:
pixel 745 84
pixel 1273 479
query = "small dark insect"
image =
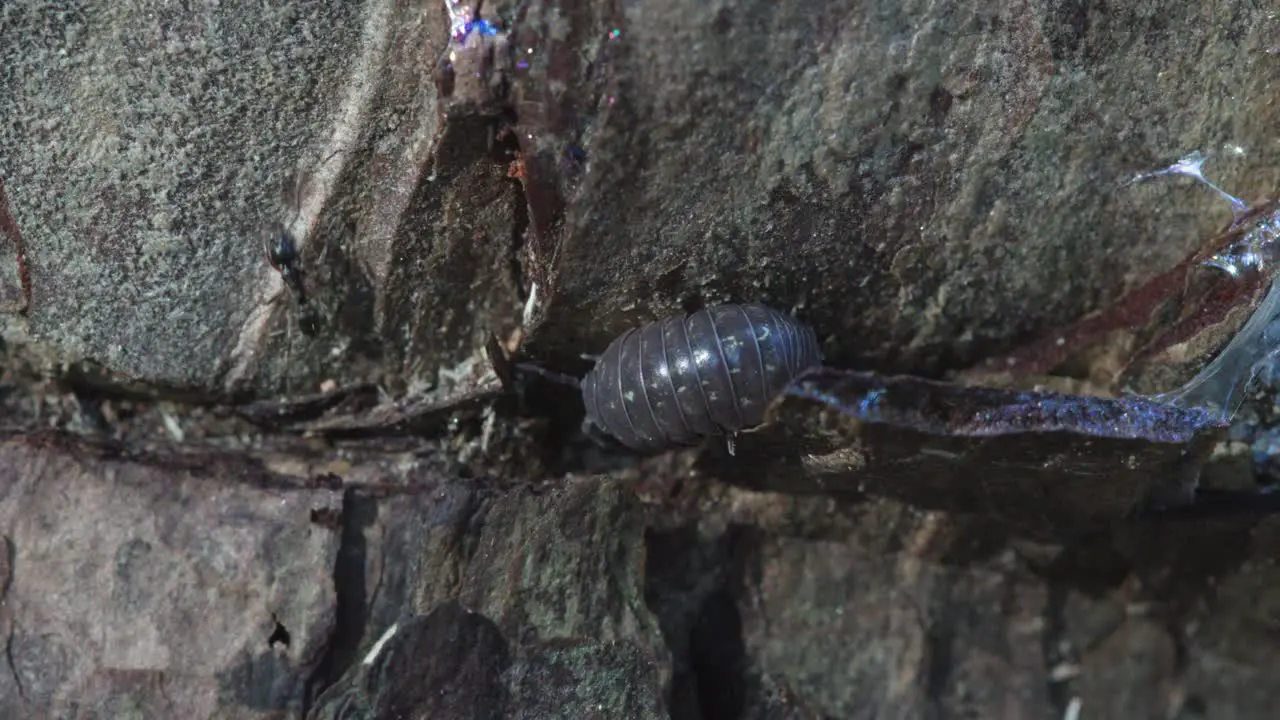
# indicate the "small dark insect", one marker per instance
pixel 328 481
pixel 327 517
pixel 712 373
pixel 282 252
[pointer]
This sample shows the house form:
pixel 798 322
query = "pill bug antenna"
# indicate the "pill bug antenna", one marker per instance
pixel 555 377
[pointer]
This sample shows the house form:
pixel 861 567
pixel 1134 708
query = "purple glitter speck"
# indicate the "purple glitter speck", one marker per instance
pixel 481 26
pixel 462 23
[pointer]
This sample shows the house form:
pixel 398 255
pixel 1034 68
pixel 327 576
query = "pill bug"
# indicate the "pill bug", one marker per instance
pixel 711 373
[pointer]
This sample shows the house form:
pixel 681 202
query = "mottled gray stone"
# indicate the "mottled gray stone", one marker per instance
pixel 135 585
pixel 147 147
pixel 927 183
pixel 548 585
pixel 873 609
pixel 447 663
pixel 927 180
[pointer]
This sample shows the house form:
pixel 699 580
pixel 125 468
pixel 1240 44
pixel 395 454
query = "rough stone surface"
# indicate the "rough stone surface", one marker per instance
pixel 947 171
pixel 157 591
pixel 196 130
pixel 550 586
pixel 418 529
pixel 908 174
pixel 447 663
pixel 871 609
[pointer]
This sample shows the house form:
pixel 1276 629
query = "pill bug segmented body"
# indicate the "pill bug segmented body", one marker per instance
pixel 714 372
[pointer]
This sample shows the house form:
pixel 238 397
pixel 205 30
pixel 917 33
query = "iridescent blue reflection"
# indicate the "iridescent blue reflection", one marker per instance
pixel 945 409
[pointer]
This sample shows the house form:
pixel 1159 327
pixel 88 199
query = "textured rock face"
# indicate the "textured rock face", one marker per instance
pixel 907 174
pixel 929 181
pixel 551 586
pixel 197 129
pixel 156 589
pixel 784 607
pixel 416 530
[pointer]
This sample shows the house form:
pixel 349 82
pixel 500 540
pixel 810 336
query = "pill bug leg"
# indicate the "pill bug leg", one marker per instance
pixel 598 436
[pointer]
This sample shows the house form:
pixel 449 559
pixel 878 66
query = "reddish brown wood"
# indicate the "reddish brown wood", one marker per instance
pixel 1165 310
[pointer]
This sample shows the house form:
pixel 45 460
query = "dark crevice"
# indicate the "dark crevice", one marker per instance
pixel 6 582
pixel 13 668
pixel 88 379
pixel 1092 568
pixel 560 406
pixel 279 634
pixel 280 414
pixel 505 148
pixel 692 587
pixel 718 658
pixel 1194 707
pixel 351 614
pixel 940 640
pixel 519 228
pixel 1059 693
